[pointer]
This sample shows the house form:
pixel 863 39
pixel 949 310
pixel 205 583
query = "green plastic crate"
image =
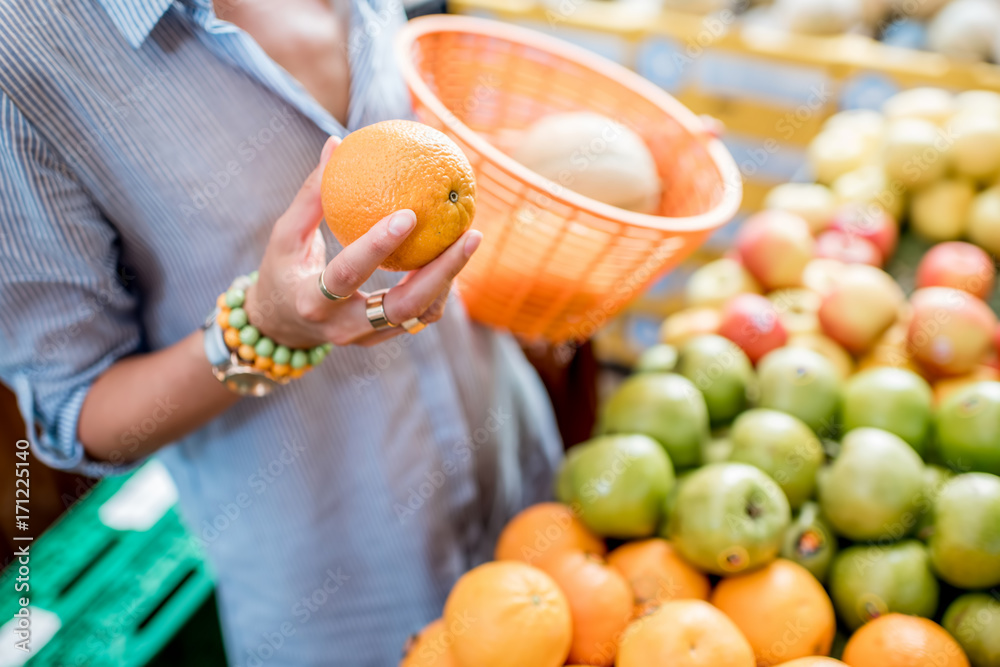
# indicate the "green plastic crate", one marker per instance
pixel 120 595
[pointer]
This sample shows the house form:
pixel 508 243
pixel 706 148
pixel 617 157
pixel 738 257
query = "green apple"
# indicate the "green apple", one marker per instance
pixel 729 518
pixel 873 489
pixel 892 399
pixel 619 482
pixel 867 581
pixel 968 428
pixel 965 542
pixel 801 382
pixel 935 477
pixel 664 406
pixel 660 358
pixel 780 445
pixel 810 542
pixel 721 371
pixel 974 621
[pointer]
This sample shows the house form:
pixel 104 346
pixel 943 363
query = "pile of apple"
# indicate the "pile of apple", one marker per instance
pixel 783 287
pixel 928 156
pixel 867 482
pixel 881 494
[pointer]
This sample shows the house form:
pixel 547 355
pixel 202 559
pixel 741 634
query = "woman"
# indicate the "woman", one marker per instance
pixel 151 153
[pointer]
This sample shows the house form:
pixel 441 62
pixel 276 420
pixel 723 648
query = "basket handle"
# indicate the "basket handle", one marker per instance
pixel 712 127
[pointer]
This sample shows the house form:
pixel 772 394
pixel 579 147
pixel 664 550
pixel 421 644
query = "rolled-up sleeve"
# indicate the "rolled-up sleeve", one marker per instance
pixel 66 310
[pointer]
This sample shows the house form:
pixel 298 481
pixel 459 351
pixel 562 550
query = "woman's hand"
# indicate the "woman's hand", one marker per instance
pixel 287 305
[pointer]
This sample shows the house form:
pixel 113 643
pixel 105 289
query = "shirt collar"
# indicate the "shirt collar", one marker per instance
pixel 135 19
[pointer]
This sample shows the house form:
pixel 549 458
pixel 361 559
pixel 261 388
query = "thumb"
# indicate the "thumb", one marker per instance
pixel 294 230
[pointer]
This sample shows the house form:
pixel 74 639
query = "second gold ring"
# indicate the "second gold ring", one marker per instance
pixel 375 310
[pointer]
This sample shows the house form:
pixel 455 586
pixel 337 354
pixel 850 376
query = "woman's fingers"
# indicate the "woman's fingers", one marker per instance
pixel 351 268
pixel 294 229
pixel 416 295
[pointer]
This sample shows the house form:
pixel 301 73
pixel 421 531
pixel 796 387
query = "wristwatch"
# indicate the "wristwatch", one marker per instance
pixel 238 376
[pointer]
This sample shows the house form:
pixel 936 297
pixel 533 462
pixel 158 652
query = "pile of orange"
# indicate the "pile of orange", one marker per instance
pixel 554 596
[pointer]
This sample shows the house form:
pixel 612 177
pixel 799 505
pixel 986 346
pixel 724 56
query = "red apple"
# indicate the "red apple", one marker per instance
pixel 959 265
pixel 751 321
pixel 869 222
pixel 837 244
pixel 860 306
pixel 775 247
pixel 951 331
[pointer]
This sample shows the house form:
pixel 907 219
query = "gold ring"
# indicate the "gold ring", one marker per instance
pixel 327 293
pixel 414 325
pixel 375 310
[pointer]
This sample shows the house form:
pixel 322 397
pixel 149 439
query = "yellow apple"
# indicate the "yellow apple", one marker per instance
pixel 813 202
pixel 983 224
pixel 939 211
pixel 915 152
pixel 930 104
pixel 715 283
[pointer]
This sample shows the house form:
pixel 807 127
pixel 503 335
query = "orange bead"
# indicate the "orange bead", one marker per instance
pixel 221 301
pixel 263 363
pixel 246 352
pixel 223 317
pixel 298 372
pixel 280 370
pixel 232 338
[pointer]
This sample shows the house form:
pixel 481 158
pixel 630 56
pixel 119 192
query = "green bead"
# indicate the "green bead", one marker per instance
pixel 238 318
pixel 254 275
pixel 249 335
pixel 299 359
pixel 317 355
pixel 235 298
pixel 264 347
pixel 328 347
pixel 282 355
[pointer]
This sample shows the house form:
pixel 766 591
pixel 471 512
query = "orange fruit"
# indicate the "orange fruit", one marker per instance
pixel 897 640
pixel 657 574
pixel 394 165
pixel 508 614
pixel 684 633
pixel 781 609
pixel 600 604
pixel 812 661
pixel 544 530
pixel 431 647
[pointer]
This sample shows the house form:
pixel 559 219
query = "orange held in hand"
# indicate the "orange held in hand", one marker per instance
pixel 545 530
pixel 508 614
pixel 781 609
pixel 684 633
pixel 657 574
pixel 395 165
pixel 600 604
pixel 430 648
pixel 897 640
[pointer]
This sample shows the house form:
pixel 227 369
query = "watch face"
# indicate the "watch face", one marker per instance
pixel 249 383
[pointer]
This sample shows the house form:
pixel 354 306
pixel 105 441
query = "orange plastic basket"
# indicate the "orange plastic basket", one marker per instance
pixel 555 264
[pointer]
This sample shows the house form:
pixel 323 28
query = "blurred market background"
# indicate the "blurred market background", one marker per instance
pixel 124 582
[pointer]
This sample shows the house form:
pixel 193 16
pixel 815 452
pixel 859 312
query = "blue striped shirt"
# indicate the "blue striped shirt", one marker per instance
pixel 146 148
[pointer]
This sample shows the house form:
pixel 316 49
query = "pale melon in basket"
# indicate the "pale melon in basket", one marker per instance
pixel 594 156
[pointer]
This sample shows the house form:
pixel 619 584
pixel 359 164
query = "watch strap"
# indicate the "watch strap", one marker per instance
pixel 215 345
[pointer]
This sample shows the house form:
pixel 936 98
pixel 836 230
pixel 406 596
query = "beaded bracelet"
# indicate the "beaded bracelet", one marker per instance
pixel 278 361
